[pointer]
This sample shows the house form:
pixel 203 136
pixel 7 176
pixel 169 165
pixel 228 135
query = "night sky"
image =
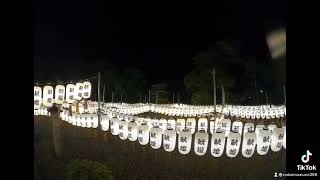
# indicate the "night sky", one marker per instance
pixel 159 40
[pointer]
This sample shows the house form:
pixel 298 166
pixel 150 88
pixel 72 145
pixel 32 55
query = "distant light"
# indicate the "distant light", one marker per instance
pixel 261 91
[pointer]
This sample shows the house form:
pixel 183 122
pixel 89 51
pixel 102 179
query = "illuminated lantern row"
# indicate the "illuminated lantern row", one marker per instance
pixel 70 93
pixel 155 136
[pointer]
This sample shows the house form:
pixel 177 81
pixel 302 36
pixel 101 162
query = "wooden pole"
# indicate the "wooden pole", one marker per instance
pixel 223 95
pixel 112 96
pixel 103 92
pixel 156 97
pixel 173 97
pixel 214 88
pixel 149 96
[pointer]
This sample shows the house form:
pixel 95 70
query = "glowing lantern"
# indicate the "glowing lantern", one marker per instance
pixel 180 125
pixel 143 134
pixel 201 143
pixel 78 91
pixel 123 129
pixel 59 94
pixel 163 124
pixel 169 139
pixel 48 96
pixel 249 143
pixel 37 99
pixel 217 143
pixel 248 127
pixel 104 123
pixel 224 125
pixel 203 124
pixel 86 90
pixel 191 124
pixel 263 141
pixel 277 139
pixel 258 114
pixel 132 131
pixel 284 138
pixel 233 144
pixel 155 137
pixel 75 120
pixel 184 141
pixel 271 127
pixel 237 127
pixel 70 93
pixel 86 118
pixel 171 123
pixel 95 121
pixel 258 128
pixel 114 126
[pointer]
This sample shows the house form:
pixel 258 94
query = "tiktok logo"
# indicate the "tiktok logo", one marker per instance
pixel 305 158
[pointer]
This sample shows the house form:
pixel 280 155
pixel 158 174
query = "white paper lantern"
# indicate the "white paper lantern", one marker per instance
pixel 75 120
pixel 86 90
pixel 48 96
pixel 237 127
pixel 180 124
pixel 70 93
pixel 114 126
pixel 123 129
pixel 203 124
pixel 171 123
pixel 184 141
pixel 277 139
pixel 163 124
pixel 248 127
pixel 78 91
pixel 95 121
pixel 263 141
pixel 284 138
pixel 233 144
pixel 155 137
pixel 217 143
pixel 191 124
pixel 132 131
pixel 258 114
pixel 37 100
pixel 143 134
pixel 249 144
pixel 85 121
pixel 105 122
pixel 271 127
pixel 201 143
pixel 59 94
pixel 169 139
pixel 258 128
pixel 224 125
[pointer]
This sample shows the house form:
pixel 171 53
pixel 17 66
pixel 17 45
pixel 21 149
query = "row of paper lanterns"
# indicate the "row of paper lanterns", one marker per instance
pixel 72 92
pixel 164 132
pixel 248 112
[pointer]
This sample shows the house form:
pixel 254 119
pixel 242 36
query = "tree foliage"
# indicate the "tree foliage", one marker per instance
pixel 237 73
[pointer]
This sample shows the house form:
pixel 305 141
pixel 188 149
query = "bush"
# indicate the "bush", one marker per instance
pixel 87 170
